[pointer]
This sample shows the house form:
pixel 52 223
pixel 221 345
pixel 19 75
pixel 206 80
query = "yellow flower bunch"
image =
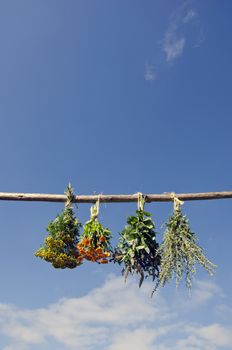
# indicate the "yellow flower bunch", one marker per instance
pixel 60 246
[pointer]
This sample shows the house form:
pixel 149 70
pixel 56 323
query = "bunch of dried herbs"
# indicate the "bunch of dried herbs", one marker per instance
pixel 138 249
pixel 180 251
pixel 60 246
pixel 94 244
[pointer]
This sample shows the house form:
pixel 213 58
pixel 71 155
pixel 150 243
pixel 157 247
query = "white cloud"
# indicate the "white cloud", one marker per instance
pixel 114 316
pixel 189 16
pixel 193 343
pixel 205 291
pixel 224 311
pixel 214 335
pixel 149 73
pixel 176 35
pixel 15 347
pixel 173 46
pixel 83 323
pixel 138 339
pixel 202 293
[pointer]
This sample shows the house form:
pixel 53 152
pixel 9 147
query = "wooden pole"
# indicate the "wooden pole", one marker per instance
pixel 113 198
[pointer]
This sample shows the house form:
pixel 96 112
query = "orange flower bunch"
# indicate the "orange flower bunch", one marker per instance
pixel 94 244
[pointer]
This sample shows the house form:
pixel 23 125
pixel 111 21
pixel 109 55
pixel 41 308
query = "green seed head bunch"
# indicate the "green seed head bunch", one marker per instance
pixel 180 251
pixel 137 249
pixel 60 246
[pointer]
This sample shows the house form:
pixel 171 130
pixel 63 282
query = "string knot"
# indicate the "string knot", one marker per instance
pixel 177 202
pixel 94 210
pixel 141 201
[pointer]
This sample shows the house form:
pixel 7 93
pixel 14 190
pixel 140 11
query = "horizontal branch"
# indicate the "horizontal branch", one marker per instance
pixel 113 198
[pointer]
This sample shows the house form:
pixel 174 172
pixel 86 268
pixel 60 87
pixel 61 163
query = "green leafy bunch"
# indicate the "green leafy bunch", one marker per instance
pixel 60 246
pixel 180 251
pixel 137 248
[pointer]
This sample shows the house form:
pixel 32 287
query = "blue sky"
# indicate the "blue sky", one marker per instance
pixel 116 97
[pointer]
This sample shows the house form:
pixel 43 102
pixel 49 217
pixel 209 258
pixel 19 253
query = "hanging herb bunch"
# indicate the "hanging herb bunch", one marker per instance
pixel 94 242
pixel 60 246
pixel 180 251
pixel 137 249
